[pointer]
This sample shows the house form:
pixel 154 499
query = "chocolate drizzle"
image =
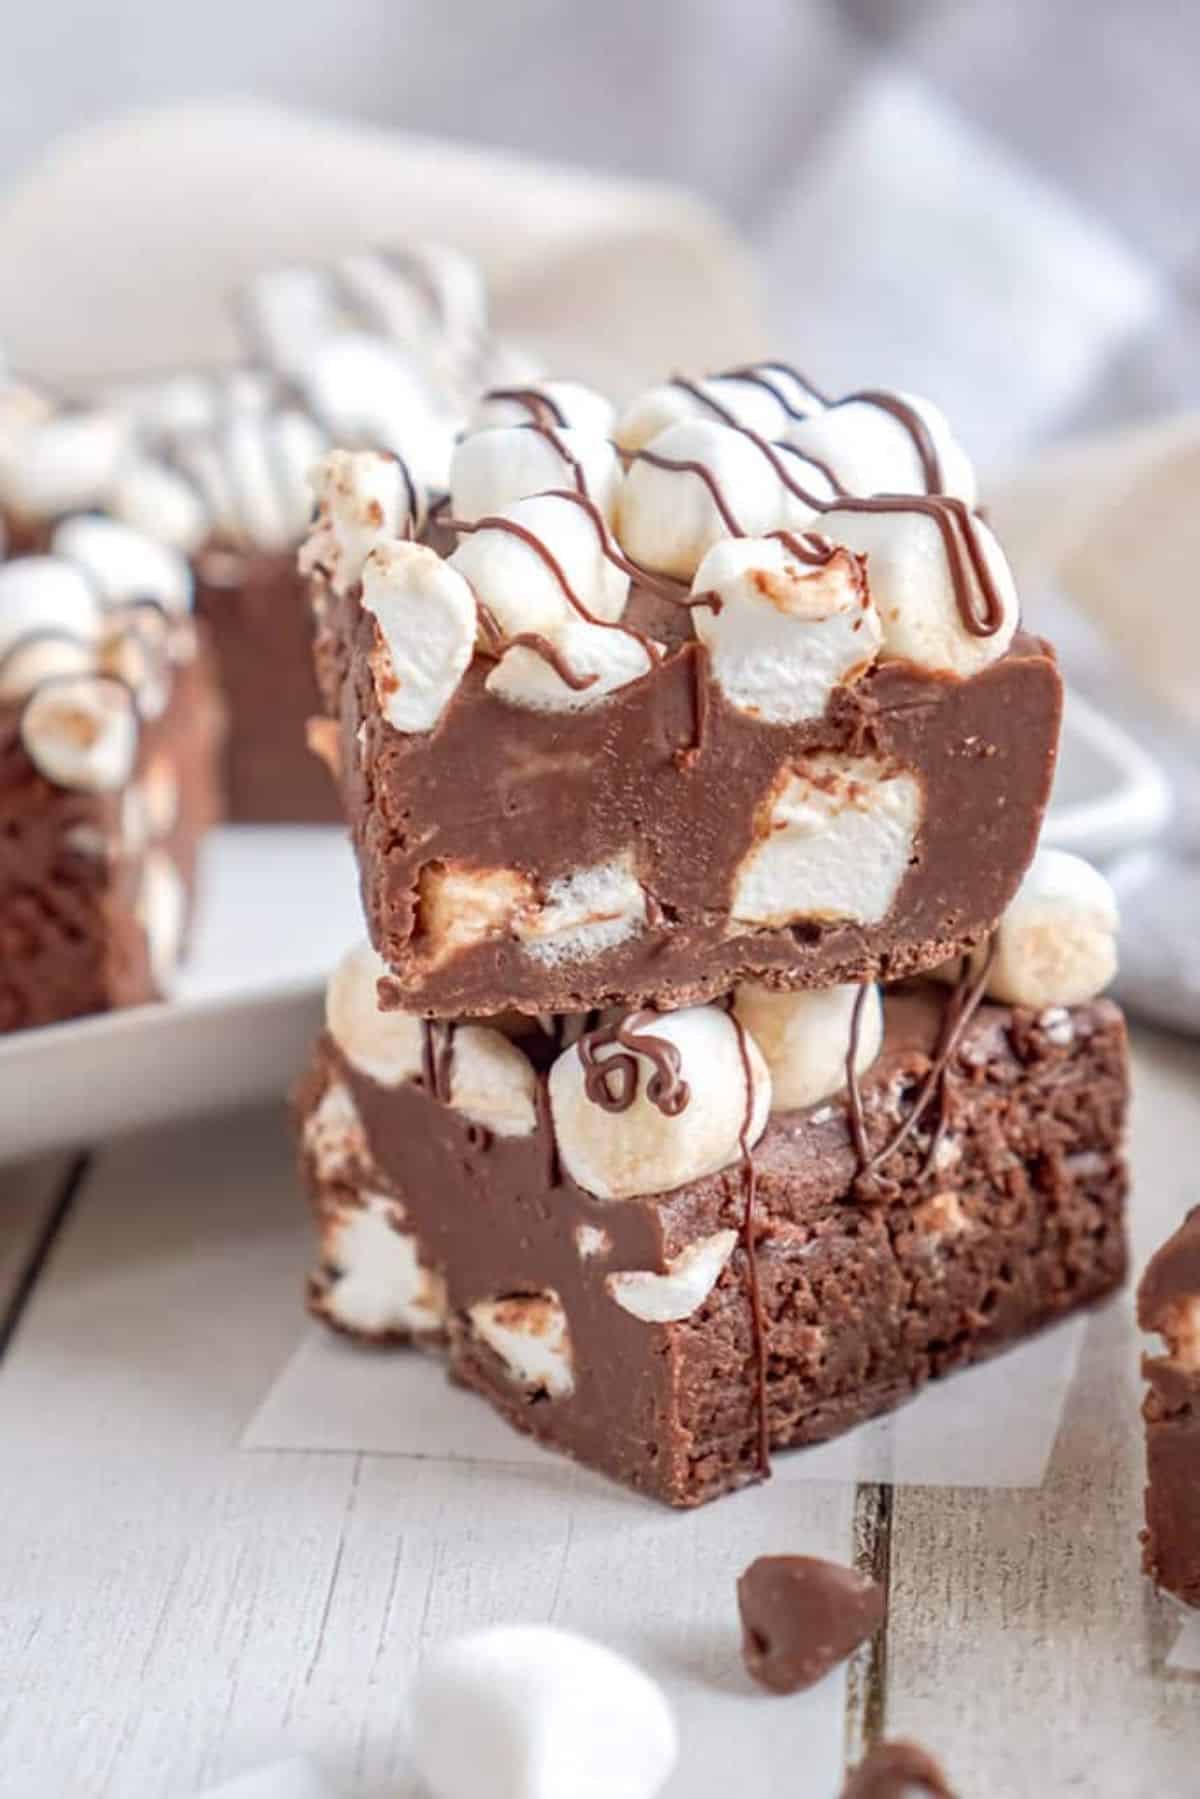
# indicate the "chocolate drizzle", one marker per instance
pixel 551 654
pixel 858 1126
pixel 612 1083
pixel 437 1059
pixel 540 407
pixel 906 415
pixel 688 465
pixel 749 1244
pixel 559 447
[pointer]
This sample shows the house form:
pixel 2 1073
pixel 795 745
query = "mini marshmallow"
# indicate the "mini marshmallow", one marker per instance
pixel 585 913
pixel 787 633
pixel 494 468
pixel 749 404
pixel 908 573
pixel 461 906
pixel 606 659
pixel 805 1038
pixel 386 1046
pixel 836 842
pixel 871 451
pixel 363 499
pixel 64 465
pixel 518 587
pixel 81 731
pixel 161 503
pixel 333 1135
pixel 159 790
pixel 530 1712
pixel 591 1241
pixel 426 626
pixel 689 1279
pixel 123 564
pixel 161 909
pixel 41 595
pixel 367 391
pixel 528 1331
pixel 571 404
pixel 373 1282
pixel 668 519
pixel 622 1154
pixel 1056 944
pixel 492 1082
pixel 259 483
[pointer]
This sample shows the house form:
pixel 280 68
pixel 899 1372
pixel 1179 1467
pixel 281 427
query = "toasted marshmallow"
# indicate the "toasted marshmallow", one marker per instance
pixel 386 1046
pixel 622 1154
pixel 909 575
pixel 82 732
pixel 835 842
pixel 585 913
pixel 493 468
pixel 606 660
pixel 667 518
pixel 567 403
pixel 805 1038
pixel 1056 944
pixel 689 1279
pixel 363 500
pixel 333 1135
pixel 462 906
pixel 63 465
pixel 528 1712
pixel 371 1281
pixel 161 503
pixel 872 451
pixel 517 585
pixel 786 633
pixel 40 596
pixel 492 1081
pixel 426 625
pixel 528 1331
pixel 161 910
pixel 123 564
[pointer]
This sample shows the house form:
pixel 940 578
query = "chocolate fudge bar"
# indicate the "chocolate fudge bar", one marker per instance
pixel 1169 1305
pixel 673 1244
pixel 636 724
pixel 109 747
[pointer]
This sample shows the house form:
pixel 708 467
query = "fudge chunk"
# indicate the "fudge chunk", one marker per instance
pixel 109 745
pixel 671 1244
pixel 633 725
pixel 1169 1305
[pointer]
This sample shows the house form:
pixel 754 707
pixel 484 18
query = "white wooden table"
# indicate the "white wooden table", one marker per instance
pixel 175 1609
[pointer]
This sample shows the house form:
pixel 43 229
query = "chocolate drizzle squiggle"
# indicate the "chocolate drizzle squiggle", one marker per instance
pixel 690 466
pixel 906 415
pixel 612 1083
pixel 437 1059
pixel 554 658
pixel 759 374
pixel 750 1246
pixel 540 407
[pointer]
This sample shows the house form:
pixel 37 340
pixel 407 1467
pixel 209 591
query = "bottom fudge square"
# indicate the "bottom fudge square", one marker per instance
pixel 672 1244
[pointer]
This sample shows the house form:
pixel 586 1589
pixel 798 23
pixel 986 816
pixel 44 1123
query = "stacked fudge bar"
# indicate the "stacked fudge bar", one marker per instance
pixel 724 1063
pixel 109 747
pixel 384 348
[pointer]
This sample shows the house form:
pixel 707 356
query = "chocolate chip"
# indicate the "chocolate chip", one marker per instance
pixel 801 1617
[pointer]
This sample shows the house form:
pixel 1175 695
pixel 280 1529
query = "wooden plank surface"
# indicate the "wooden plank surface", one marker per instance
pixel 174 1610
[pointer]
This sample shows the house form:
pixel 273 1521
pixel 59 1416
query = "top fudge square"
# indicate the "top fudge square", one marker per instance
pixel 732 687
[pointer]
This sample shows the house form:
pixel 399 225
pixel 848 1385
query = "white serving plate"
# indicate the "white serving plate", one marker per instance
pixel 281 904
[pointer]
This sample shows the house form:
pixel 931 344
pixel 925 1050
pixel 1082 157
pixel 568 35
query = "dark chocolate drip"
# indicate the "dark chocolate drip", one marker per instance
pixel 540 407
pixel 807 547
pixel 759 375
pixel 908 416
pixel 437 1059
pixel 858 1126
pixel 545 1124
pixel 687 465
pixel 549 653
pixel 706 399
pixel 749 1244
pixel 556 443
pixel 613 1083
pixel 660 585
pixel 699 672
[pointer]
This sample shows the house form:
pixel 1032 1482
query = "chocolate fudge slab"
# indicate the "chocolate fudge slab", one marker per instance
pixel 73 939
pixel 669 779
pixel 260 626
pixel 1005 1220
pixel 1169 1304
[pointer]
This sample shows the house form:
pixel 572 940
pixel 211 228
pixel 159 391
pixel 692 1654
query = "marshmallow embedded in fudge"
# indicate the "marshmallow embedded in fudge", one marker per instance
pixel 65 464
pixel 668 518
pixel 124 565
pixel 530 1712
pixel 805 1038
pixel 492 1081
pixel 688 1280
pixel 161 909
pixel 834 841
pixel 333 1135
pixel 81 731
pixel 425 629
pixel 50 622
pixel 517 584
pixel 657 1101
pixel 578 666
pixel 584 913
pixel 786 631
pixel 494 467
pixel 1056 944
pixel 385 1046
pixel 871 449
pixel 910 574
pixel 372 1280
pixel 557 403
pixel 529 1333
pixel 364 497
